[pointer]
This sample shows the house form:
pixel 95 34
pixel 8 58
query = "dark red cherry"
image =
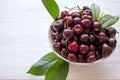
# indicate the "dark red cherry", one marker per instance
pixel 68 20
pixel 85 7
pixel 84 38
pixel 68 33
pixel 91 57
pixel 57 25
pixel 106 50
pixel 53 36
pixel 87 17
pixel 58 36
pixel 86 23
pixel 75 14
pixel 102 37
pixel 86 30
pixel 112 32
pixel 112 42
pixel 87 12
pixel 64 14
pixel 92 48
pixel 72 57
pixel 77 20
pixel 96 26
pixel 64 53
pixel 78 29
pixel 91 38
pixel 57 46
pixel 84 49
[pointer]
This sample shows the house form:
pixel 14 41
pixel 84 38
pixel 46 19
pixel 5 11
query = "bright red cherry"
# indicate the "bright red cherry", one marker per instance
pixel 73 47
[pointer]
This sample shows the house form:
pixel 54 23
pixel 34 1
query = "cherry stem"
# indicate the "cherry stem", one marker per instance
pixel 75 38
pixel 65 26
pixel 79 8
pixel 73 8
pixel 95 34
pixel 67 41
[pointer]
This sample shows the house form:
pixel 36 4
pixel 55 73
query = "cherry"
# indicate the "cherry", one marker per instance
pixel 53 36
pixel 112 32
pixel 84 38
pixel 96 26
pixel 84 49
pixel 68 20
pixel 91 38
pixel 72 57
pixel 57 46
pixel 106 50
pixel 86 23
pixel 55 41
pixel 64 14
pixel 68 33
pixel 112 42
pixel 102 37
pixel 77 20
pixel 73 47
pixel 91 57
pixel 64 52
pixel 57 25
pixel 86 30
pixel 87 17
pixel 87 12
pixel 75 14
pixel 78 29
pixel 85 7
pixel 51 28
pixel 92 48
pixel 58 36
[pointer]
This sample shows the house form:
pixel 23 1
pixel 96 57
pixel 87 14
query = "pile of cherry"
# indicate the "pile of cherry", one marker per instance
pixel 77 37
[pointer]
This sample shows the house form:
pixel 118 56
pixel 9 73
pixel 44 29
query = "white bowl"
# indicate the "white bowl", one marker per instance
pixel 71 62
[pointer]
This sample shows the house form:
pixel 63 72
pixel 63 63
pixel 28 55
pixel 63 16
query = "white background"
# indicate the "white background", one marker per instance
pixel 24 39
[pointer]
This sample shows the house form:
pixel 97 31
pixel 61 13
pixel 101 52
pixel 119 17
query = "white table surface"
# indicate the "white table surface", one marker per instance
pixel 24 40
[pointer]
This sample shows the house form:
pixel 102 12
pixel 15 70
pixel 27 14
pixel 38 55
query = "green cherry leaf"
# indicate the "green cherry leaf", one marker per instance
pixel 44 64
pixel 110 22
pixel 51 66
pixel 58 72
pixel 95 11
pixel 105 18
pixel 51 7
